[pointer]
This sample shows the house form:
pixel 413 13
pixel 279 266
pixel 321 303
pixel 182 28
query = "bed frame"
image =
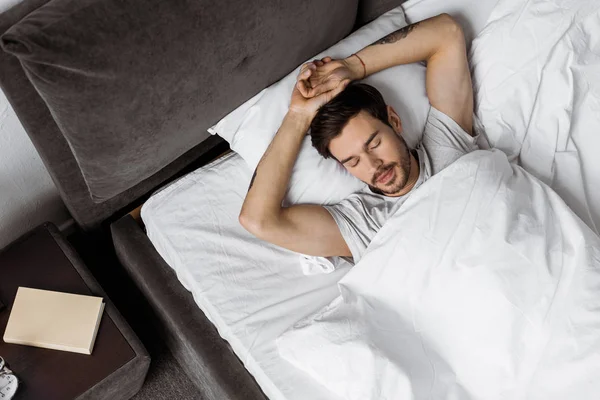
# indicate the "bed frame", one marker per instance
pixel 204 355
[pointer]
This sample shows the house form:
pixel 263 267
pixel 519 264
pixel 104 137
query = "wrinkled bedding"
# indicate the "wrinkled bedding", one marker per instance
pixel 484 285
pixel 536 75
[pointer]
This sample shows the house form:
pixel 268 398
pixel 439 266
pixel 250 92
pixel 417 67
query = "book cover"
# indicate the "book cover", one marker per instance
pixel 54 320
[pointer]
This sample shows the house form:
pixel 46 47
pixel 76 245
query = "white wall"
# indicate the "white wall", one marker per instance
pixel 28 196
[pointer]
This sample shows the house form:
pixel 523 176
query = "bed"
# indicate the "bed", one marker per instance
pixel 220 312
pixel 100 95
pixel 195 229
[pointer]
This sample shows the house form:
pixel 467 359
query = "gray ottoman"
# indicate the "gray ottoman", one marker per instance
pixel 43 259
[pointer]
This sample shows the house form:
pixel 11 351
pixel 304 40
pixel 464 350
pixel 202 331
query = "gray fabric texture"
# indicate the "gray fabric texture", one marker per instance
pixel 368 10
pixel 134 84
pixel 166 380
pixel 53 148
pixel 127 380
pixel 207 359
pixel 361 215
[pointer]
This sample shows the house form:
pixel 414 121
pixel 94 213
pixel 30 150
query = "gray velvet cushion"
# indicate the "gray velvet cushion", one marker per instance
pixel 368 10
pixel 133 84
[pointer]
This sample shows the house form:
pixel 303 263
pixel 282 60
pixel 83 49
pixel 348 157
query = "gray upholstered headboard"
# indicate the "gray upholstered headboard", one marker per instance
pixel 116 95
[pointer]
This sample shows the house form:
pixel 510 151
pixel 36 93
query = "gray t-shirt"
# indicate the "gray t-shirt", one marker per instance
pixel 361 215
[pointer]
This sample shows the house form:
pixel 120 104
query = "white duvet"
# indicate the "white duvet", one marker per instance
pixel 484 285
pixel 536 75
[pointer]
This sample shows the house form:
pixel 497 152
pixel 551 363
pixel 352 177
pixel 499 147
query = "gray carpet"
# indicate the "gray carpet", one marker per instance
pixel 166 380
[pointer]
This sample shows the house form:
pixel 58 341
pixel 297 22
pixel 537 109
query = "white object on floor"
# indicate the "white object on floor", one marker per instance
pixel 483 286
pixel 536 75
pixel 251 291
pixel 8 382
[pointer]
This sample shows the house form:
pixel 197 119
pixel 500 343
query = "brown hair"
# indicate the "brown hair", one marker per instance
pixel 333 116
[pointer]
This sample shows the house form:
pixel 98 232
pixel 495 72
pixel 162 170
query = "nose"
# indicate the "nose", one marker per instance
pixel 373 163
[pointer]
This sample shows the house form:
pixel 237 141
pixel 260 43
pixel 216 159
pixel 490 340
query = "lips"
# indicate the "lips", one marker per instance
pixel 385 178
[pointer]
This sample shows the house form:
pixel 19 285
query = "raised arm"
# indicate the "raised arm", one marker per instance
pixel 307 229
pixel 439 41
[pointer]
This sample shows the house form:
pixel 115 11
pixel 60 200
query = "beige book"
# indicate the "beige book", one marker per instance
pixel 54 320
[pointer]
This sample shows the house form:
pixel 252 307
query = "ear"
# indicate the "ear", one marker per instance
pixel 394 120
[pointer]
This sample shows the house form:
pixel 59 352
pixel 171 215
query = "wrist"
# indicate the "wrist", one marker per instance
pixel 300 117
pixel 357 68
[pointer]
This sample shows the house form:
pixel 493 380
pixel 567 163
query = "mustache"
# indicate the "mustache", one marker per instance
pixel 384 169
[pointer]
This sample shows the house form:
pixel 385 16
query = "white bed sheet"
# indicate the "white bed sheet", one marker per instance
pixel 253 293
pixel 250 290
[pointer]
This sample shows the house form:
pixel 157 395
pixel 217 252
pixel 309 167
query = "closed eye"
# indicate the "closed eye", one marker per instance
pixel 376 144
pixel 355 163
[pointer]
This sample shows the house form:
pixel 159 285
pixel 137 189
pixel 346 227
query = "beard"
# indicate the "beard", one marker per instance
pixel 398 183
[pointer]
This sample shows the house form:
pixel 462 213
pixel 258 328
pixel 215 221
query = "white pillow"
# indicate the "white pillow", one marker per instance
pixel 250 128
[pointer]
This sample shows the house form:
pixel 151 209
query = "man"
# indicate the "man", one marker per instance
pixel 353 125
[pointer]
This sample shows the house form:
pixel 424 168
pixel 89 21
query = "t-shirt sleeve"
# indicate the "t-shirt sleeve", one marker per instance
pixel 445 141
pixel 355 224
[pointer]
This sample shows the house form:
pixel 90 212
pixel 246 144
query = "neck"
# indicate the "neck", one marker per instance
pixel 413 177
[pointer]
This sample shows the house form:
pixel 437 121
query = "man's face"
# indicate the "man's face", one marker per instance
pixel 374 152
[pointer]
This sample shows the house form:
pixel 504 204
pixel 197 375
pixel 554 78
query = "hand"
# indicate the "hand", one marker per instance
pixel 309 105
pixel 327 74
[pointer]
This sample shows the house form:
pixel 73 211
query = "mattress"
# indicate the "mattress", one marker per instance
pixel 250 290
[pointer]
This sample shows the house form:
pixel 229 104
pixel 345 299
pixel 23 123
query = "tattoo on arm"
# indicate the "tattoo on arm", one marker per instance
pixel 259 164
pixel 397 35
pixel 252 180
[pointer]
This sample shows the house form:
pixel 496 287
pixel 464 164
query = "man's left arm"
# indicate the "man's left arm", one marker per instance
pixel 439 41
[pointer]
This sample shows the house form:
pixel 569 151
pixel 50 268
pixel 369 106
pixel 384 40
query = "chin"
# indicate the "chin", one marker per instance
pixel 395 187
pixel 385 190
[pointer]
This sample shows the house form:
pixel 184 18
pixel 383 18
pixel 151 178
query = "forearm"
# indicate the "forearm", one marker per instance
pixel 271 177
pixel 416 42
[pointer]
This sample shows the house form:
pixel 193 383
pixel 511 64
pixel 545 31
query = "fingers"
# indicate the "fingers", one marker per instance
pixel 326 86
pixel 306 70
pixel 332 93
pixel 303 88
pixel 315 63
pixel 302 82
pixel 306 73
pixel 301 85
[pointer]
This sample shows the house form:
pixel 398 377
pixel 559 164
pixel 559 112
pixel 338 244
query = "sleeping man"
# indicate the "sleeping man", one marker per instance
pixel 475 281
pixel 352 123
